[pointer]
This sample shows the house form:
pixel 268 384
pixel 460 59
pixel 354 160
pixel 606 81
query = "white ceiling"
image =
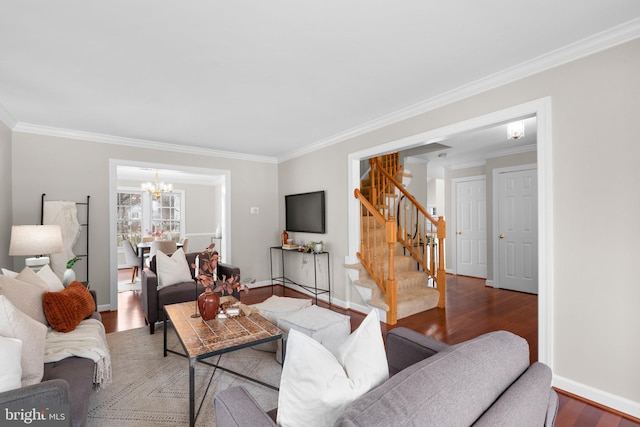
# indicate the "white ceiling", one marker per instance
pixel 474 147
pixel 270 78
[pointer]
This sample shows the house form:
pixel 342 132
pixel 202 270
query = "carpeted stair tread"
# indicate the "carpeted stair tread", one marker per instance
pixel 414 296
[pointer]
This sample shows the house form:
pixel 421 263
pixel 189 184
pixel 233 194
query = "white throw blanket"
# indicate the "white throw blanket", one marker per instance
pixel 88 340
pixel 64 214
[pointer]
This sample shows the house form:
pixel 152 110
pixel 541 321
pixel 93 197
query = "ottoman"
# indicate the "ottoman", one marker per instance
pixel 327 327
pixel 274 308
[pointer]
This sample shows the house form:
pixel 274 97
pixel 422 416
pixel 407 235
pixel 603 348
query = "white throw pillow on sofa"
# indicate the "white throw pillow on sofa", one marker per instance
pixel 45 273
pixel 317 386
pixel 172 269
pixel 26 296
pixel 16 324
pixel 10 368
pixel 51 279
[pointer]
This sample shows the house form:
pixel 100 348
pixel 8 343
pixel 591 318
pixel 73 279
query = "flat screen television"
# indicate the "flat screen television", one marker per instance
pixel 305 212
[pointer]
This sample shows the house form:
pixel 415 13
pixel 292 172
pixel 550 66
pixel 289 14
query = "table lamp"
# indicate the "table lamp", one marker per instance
pixel 36 241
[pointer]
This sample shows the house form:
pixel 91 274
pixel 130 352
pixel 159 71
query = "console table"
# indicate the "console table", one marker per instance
pixel 308 287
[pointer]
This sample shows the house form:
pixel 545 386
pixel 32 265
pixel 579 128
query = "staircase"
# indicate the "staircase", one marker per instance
pixel 401 270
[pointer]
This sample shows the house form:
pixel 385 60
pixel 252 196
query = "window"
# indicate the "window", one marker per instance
pixel 140 214
pixel 129 221
pixel 166 215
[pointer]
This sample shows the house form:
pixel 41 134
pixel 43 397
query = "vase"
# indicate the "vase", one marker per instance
pixel 208 304
pixel 68 276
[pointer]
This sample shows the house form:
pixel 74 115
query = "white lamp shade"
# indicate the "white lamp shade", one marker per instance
pixel 29 240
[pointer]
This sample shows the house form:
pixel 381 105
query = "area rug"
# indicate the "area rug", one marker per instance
pixel 151 390
pixel 125 285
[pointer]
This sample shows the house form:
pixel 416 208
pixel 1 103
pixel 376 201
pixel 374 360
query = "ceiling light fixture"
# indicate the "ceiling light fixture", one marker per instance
pixel 157 188
pixel 515 130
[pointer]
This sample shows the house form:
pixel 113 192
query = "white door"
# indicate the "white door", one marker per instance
pixel 471 228
pixel 517 231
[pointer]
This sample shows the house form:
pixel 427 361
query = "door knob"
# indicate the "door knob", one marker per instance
pixel 459 232
pixel 501 236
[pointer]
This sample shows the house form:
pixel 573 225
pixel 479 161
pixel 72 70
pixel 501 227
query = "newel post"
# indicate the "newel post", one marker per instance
pixel 390 283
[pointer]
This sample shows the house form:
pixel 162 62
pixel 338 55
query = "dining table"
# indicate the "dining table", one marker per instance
pixel 144 247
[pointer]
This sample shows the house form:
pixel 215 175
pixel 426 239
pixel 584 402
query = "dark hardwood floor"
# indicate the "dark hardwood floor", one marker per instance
pixel 472 309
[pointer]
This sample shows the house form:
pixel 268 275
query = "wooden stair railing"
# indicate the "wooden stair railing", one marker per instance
pixel 392 207
pixel 381 186
pixel 423 236
pixel 375 249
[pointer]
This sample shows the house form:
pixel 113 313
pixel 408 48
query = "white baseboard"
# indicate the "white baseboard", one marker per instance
pixel 598 396
pixel 490 283
pixel 104 307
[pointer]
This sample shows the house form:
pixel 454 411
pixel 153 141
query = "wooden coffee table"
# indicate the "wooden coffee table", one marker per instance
pixel 201 340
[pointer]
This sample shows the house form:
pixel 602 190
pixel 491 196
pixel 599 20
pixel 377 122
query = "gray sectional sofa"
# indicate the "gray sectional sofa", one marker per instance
pixel 67 382
pixel 486 381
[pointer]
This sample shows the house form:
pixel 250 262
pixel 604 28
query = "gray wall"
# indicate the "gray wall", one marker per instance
pixel 595 102
pixel 69 169
pixel 6 218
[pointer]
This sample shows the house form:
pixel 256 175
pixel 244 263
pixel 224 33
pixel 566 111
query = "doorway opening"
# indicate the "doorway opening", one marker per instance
pixel 541 110
pixel 201 213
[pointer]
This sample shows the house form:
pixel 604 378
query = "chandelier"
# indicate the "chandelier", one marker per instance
pixel 157 188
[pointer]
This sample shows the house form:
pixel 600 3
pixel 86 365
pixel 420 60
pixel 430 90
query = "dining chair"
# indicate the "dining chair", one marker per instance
pixel 132 259
pixel 165 246
pixel 148 239
pixel 185 244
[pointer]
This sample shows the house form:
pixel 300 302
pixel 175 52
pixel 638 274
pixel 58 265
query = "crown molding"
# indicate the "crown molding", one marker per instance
pixel 416 160
pixel 7 118
pixel 139 143
pixel 512 150
pixel 466 165
pixel 598 42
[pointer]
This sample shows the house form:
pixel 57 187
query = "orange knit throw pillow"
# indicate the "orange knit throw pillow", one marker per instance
pixel 65 310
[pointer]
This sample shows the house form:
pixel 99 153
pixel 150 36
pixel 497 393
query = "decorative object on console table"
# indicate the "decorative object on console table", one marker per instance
pixel 315 247
pixel 69 275
pixel 285 237
pixel 35 240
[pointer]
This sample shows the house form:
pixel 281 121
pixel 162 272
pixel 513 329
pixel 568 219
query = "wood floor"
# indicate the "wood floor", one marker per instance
pixel 472 309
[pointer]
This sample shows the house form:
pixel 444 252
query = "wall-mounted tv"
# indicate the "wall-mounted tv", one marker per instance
pixel 305 212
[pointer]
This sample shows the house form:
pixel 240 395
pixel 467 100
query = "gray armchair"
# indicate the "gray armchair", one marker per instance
pixel 154 300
